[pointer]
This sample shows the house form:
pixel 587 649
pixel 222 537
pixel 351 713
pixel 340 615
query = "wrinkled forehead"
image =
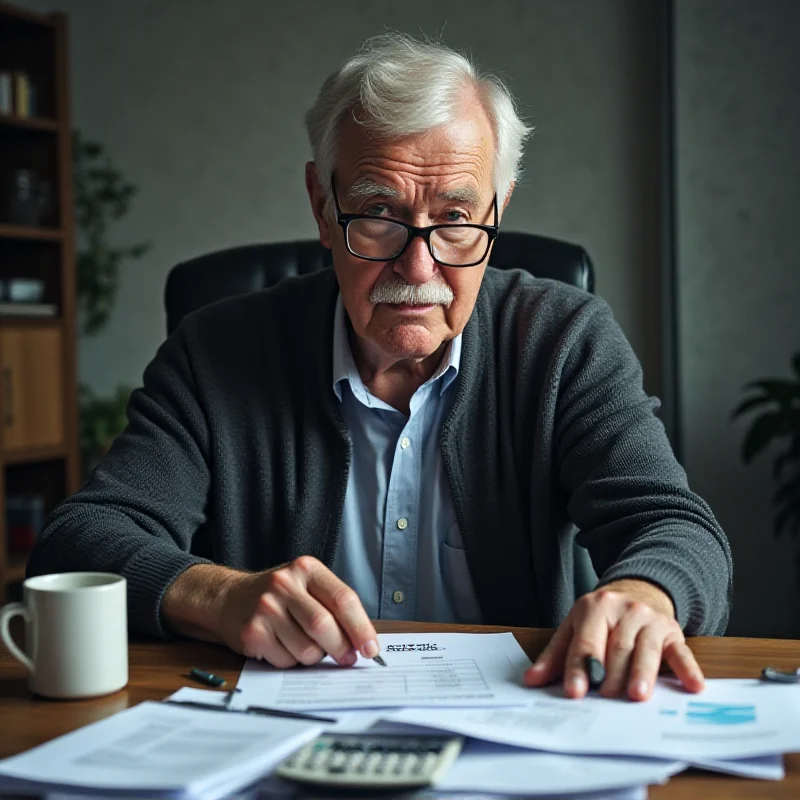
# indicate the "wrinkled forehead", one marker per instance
pixel 461 152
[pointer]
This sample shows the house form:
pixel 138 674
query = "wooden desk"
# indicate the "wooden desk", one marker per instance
pixel 157 669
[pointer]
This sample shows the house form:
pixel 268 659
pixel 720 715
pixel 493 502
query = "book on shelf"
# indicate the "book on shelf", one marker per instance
pixel 22 94
pixel 28 309
pixel 25 516
pixel 6 96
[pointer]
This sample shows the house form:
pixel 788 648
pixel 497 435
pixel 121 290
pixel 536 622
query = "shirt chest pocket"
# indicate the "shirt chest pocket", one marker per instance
pixel 458 581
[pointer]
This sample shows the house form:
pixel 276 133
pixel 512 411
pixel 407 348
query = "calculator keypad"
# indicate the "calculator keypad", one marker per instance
pixel 378 760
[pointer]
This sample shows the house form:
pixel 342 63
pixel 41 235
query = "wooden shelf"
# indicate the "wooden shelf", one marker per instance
pixel 30 233
pixel 50 321
pixel 38 353
pixel 15 568
pixel 31 454
pixel 28 123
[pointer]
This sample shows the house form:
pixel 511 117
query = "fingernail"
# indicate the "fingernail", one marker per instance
pixel 640 688
pixel 538 666
pixel 371 649
pixel 577 683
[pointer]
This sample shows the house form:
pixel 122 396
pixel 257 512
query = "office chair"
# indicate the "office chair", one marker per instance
pixel 239 270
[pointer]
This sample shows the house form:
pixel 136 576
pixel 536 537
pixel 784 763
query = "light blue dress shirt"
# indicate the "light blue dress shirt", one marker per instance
pixel 399 544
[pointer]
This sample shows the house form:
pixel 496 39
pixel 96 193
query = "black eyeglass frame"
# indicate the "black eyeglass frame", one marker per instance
pixel 413 232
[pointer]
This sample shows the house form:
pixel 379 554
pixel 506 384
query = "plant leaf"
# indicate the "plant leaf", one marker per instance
pixel 787 517
pixel 783 392
pixel 789 492
pixel 761 433
pixel 750 403
pixel 788 457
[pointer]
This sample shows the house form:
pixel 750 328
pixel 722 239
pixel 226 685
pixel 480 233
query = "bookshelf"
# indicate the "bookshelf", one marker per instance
pixel 38 391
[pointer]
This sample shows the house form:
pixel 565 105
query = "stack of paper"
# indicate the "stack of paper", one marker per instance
pixel 158 750
pixel 471 684
pixel 522 743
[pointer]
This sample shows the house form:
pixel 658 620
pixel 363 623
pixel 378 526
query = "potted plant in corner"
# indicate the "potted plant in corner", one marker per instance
pixel 777 402
pixel 102 196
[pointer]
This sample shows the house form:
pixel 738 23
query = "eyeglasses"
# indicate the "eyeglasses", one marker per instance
pixel 380 239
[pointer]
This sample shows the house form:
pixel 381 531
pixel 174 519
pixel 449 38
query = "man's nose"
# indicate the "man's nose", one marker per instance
pixel 416 265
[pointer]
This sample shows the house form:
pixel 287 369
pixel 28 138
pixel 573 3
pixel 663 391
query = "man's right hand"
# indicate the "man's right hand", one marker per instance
pixel 292 614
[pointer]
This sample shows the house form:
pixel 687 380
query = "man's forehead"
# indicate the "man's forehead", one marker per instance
pixel 454 160
pixel 368 187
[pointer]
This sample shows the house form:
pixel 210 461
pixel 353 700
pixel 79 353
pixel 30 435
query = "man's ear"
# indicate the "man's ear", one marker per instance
pixel 318 198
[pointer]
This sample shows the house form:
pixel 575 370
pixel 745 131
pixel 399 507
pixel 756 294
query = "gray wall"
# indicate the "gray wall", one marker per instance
pixel 738 73
pixel 202 104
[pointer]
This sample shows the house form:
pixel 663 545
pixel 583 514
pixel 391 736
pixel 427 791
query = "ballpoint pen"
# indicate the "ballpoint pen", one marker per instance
pixel 259 710
pixel 776 676
pixel 595 671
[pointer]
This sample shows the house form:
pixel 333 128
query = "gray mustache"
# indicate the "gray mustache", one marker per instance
pixel 399 292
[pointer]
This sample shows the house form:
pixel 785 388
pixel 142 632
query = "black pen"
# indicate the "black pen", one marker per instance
pixel 208 678
pixel 595 671
pixel 776 676
pixel 261 711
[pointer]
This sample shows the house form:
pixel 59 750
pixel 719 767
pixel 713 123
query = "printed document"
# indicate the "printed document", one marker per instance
pixel 504 770
pixel 730 719
pixel 156 749
pixel 423 669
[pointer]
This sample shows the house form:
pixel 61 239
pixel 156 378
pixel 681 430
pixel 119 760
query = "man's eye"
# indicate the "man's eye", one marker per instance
pixel 454 216
pixel 377 210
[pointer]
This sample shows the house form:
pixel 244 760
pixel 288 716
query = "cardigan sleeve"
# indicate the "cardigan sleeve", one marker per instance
pixel 627 494
pixel 139 510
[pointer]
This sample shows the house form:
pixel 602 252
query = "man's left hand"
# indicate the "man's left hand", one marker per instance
pixel 629 626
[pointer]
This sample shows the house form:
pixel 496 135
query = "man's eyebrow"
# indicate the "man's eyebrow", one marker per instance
pixel 366 187
pixel 461 194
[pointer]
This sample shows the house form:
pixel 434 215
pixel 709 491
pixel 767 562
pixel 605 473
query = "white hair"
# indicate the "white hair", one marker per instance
pixel 401 87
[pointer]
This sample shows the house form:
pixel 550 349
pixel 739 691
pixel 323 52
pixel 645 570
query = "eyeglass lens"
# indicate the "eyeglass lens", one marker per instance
pixel 382 239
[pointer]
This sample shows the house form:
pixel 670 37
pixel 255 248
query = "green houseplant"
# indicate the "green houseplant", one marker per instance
pixel 102 420
pixel 777 402
pixel 102 196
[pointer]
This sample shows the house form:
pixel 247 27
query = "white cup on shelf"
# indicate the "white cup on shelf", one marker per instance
pixel 76 634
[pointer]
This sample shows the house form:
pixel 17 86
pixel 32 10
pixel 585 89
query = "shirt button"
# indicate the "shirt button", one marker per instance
pixel 402 523
pixel 398 597
pixel 405 442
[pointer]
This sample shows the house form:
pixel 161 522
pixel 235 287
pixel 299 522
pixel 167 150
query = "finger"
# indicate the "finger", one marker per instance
pixel 589 638
pixel 320 626
pixel 620 648
pixel 682 662
pixel 646 659
pixel 259 641
pixel 289 633
pixel 288 593
pixel 346 608
pixel 548 667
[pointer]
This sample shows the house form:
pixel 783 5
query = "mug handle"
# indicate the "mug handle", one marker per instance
pixel 6 615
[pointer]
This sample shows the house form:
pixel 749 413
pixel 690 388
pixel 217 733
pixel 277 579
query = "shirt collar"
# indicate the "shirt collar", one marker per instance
pixel 344 366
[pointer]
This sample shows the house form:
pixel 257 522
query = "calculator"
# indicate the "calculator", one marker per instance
pixel 372 761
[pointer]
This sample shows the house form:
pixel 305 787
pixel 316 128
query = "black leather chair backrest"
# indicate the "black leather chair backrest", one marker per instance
pixel 239 270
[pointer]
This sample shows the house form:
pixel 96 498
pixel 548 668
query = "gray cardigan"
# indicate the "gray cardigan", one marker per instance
pixel 236 452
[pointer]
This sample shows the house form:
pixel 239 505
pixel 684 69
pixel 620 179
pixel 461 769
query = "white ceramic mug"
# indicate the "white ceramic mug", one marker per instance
pixel 76 633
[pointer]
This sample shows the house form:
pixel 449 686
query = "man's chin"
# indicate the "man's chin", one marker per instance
pixel 412 341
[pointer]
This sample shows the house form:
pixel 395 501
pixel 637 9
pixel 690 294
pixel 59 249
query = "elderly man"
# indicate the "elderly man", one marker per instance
pixel 412 435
